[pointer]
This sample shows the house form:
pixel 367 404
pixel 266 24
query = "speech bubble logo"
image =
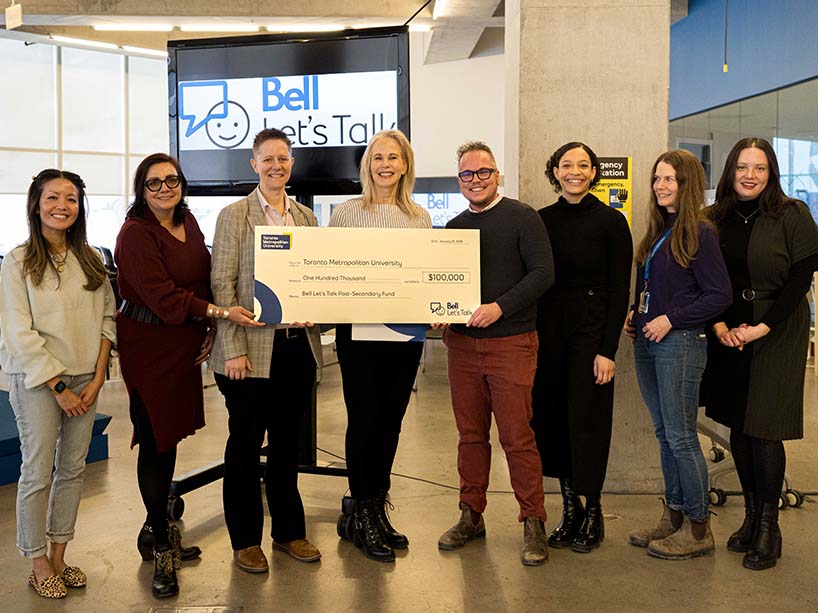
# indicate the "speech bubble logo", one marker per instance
pixel 196 103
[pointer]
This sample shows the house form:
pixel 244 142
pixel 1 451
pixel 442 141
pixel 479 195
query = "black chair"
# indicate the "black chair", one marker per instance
pixel 110 268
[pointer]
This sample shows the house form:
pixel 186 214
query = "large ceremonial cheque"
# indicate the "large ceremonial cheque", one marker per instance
pixel 366 275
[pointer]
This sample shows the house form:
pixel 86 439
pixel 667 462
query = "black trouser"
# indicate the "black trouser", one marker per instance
pixel 377 382
pixel 154 470
pixel 275 405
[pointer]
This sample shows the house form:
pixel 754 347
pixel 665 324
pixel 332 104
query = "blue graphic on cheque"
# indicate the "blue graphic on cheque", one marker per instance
pixel 415 332
pixel 196 103
pixel 270 304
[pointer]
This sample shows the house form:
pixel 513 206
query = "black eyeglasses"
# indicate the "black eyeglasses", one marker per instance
pixel 172 181
pixel 467 176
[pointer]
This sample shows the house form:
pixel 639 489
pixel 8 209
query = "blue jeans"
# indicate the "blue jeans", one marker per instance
pixel 53 446
pixel 669 374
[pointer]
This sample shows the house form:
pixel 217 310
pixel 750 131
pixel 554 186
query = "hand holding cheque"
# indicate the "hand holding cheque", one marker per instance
pixel 366 275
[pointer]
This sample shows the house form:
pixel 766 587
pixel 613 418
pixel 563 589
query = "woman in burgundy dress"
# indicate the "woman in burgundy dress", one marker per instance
pixel 164 281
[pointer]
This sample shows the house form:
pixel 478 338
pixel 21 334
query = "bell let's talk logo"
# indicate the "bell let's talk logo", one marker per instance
pixel 327 110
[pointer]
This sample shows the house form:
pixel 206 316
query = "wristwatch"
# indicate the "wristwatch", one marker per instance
pixel 59 388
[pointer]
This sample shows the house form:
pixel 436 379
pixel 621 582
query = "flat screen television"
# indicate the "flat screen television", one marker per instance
pixel 329 92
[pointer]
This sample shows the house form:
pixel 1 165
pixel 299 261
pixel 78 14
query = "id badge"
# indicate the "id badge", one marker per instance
pixel 644 302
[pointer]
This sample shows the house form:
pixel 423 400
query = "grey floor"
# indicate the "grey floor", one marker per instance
pixel 485 575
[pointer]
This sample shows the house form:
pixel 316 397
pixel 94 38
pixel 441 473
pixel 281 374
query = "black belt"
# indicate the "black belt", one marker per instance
pixel 139 312
pixel 289 334
pixel 750 294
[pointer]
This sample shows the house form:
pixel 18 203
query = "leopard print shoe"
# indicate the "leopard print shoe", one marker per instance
pixel 51 587
pixel 175 538
pixel 72 576
pixel 181 553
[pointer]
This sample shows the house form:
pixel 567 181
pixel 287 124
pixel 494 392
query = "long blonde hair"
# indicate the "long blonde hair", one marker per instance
pixel 403 195
pixel 684 240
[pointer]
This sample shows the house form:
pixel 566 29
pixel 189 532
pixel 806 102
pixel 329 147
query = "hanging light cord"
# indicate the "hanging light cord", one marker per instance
pixel 724 67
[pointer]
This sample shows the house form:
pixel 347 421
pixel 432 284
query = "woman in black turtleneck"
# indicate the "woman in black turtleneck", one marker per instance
pixel 579 321
pixel 754 380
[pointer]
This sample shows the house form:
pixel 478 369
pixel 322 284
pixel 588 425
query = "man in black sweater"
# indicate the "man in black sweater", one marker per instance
pixel 493 357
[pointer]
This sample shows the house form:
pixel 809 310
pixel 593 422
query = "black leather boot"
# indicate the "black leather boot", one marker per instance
pixel 592 531
pixel 145 541
pixel 393 538
pixel 767 546
pixel 572 517
pixel 368 533
pixel 345 526
pixel 164 576
pixel 741 540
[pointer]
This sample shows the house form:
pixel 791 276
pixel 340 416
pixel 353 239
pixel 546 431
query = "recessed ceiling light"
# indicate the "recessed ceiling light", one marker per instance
pixel 305 27
pixel 133 27
pixel 216 27
pixel 144 51
pixel 82 42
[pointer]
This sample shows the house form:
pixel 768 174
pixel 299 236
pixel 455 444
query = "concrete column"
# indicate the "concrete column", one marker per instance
pixel 595 71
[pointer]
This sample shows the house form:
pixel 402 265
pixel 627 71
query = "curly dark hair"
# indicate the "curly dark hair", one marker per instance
pixel 554 161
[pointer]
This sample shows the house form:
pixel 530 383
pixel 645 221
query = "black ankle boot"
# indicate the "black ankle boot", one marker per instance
pixel 164 576
pixel 393 538
pixel 345 526
pixel 572 517
pixel 368 533
pixel 592 531
pixel 741 540
pixel 767 546
pixel 145 541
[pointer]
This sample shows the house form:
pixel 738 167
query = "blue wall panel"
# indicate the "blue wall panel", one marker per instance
pixel 770 44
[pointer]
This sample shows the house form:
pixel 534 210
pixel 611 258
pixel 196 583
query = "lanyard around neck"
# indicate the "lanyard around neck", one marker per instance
pixel 653 253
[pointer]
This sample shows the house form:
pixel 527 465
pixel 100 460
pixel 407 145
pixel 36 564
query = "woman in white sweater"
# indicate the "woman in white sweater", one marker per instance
pixel 56 333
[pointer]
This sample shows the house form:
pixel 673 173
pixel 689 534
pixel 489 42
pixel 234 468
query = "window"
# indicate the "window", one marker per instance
pixel 80 126
pixel 785 117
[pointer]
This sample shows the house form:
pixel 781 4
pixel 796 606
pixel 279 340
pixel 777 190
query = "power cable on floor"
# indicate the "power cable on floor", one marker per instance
pixel 414 478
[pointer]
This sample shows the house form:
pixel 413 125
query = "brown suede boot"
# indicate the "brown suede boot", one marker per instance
pixel 535 547
pixel 643 536
pixel 682 545
pixel 465 530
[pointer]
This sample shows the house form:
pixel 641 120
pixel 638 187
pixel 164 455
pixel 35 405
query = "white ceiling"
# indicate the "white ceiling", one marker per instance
pixel 459 28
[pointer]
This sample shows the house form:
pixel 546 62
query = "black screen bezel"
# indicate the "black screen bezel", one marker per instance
pixel 302 185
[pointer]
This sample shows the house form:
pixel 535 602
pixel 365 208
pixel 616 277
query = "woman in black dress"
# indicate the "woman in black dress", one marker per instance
pixel 578 321
pixel 754 380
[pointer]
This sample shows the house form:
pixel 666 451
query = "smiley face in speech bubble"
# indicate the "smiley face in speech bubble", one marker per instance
pixel 229 132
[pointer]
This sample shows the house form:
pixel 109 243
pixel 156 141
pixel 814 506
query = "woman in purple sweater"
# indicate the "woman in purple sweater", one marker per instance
pixel 681 283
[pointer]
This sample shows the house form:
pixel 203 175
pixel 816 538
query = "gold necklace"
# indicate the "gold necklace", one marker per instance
pixel 59 260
